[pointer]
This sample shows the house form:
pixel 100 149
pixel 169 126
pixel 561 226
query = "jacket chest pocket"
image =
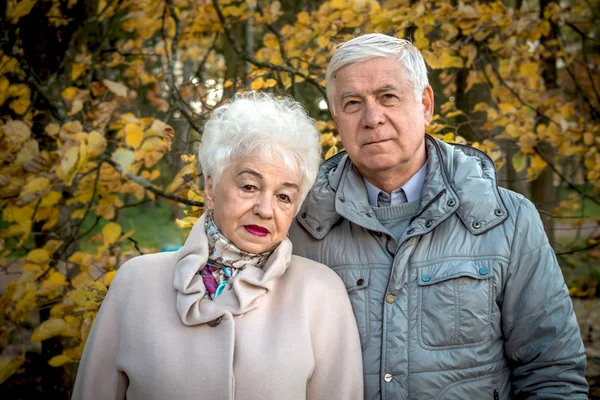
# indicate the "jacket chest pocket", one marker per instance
pixel 455 304
pixel 357 283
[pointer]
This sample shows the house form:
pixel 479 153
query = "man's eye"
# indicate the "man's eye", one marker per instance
pixel 351 105
pixel 248 188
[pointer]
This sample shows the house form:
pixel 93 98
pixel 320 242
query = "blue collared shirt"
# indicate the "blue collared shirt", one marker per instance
pixel 408 192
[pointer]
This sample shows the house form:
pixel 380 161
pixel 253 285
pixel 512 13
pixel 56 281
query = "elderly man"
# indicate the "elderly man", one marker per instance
pixel 456 291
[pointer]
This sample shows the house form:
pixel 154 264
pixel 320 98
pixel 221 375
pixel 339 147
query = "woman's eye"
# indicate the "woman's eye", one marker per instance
pixel 248 188
pixel 285 198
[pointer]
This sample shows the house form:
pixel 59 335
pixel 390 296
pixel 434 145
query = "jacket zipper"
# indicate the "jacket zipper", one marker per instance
pixel 496 394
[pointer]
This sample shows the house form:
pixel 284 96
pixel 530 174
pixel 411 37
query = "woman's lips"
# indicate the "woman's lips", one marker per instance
pixel 256 230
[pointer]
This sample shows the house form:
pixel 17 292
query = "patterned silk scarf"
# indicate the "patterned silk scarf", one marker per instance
pixel 225 260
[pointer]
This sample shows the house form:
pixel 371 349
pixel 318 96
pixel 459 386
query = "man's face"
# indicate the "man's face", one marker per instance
pixel 381 123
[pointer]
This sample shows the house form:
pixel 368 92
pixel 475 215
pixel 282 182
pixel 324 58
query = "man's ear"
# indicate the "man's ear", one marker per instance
pixel 427 101
pixel 209 192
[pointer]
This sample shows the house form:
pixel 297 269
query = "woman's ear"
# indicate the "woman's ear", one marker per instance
pixel 209 193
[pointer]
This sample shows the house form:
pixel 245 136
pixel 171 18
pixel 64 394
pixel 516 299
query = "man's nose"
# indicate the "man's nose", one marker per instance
pixel 372 114
pixel 263 206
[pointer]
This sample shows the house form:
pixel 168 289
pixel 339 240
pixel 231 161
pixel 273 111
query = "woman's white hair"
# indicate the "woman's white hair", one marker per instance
pixel 374 45
pixel 278 128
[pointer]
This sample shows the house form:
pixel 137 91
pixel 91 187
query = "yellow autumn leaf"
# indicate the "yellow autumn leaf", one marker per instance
pixel 333 150
pixel 68 164
pixel 124 158
pixel 588 138
pixel 431 59
pixel 52 129
pixel 9 366
pixel 69 93
pixel 37 186
pixel 117 88
pixel 77 70
pixel 111 232
pixel 303 18
pixel 108 278
pixel 58 361
pixel 4 84
pixel 519 161
pixel 449 61
pixel 322 41
pixel 38 256
pixel 21 93
pixel 49 328
pixel 96 144
pixel 186 223
pixel 133 135
pixel 421 41
pixel 16 133
pixel 257 84
pixel 18 9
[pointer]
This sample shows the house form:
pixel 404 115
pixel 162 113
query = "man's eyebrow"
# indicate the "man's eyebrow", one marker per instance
pixel 384 88
pixel 349 94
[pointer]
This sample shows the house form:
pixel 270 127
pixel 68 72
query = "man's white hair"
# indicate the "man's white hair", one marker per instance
pixel 277 128
pixel 375 45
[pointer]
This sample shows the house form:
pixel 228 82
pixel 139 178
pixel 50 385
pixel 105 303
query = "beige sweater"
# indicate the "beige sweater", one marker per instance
pixel 283 332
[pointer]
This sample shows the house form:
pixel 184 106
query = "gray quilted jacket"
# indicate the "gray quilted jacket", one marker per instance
pixel 470 304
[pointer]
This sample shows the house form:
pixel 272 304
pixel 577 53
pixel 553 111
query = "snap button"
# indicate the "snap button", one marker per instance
pixel 410 231
pixel 451 203
pixel 484 271
pixel 428 223
pixel 319 228
pixel 499 212
pixel 387 377
pixel 342 199
pixel 426 278
pixel 303 215
pixel 476 225
pixel 215 322
pixel 390 298
pixel 360 282
pixel 369 215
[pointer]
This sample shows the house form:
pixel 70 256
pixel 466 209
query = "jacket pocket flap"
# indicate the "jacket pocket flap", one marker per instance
pixel 354 278
pixel 436 273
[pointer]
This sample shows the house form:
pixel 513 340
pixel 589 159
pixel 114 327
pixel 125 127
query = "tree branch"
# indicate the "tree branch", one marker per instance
pixel 148 185
pixel 261 64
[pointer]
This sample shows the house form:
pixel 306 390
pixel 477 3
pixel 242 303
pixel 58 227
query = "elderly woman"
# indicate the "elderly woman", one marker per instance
pixel 233 314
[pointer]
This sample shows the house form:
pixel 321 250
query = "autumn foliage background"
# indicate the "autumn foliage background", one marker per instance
pixel 102 103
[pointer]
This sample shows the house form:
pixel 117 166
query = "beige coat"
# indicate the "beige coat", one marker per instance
pixel 282 332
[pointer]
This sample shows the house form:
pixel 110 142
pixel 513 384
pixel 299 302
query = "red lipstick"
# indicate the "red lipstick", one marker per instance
pixel 256 230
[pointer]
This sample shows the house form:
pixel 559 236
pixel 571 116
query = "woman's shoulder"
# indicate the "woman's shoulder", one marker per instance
pixel 147 266
pixel 314 273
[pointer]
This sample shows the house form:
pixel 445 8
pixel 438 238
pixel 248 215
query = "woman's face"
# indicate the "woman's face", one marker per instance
pixel 254 202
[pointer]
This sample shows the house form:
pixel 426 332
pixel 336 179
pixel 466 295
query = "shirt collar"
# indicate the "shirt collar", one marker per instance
pixel 412 189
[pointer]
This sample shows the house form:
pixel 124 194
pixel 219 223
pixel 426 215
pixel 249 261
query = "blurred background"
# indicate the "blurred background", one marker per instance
pixel 102 105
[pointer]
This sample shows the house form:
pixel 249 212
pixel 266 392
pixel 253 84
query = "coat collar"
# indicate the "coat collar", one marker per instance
pixel 247 288
pixel 460 179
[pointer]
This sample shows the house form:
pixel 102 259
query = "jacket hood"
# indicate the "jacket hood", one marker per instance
pixel 460 179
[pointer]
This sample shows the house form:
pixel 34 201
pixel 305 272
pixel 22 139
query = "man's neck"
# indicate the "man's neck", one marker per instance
pixel 393 178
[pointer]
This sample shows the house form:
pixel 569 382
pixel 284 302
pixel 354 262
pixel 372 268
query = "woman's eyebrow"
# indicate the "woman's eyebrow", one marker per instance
pixel 251 172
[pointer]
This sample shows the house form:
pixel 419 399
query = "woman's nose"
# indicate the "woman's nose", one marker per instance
pixel 263 206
